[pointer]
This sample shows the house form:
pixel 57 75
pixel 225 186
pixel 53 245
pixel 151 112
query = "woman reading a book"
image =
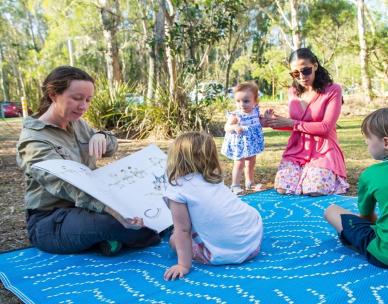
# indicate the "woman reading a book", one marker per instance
pixel 60 217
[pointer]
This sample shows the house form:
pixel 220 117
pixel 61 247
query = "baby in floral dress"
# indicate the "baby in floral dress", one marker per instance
pixel 244 137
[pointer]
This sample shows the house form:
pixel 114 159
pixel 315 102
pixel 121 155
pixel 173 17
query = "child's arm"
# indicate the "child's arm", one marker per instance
pixel 182 240
pixel 232 125
pixel 372 218
pixel 366 200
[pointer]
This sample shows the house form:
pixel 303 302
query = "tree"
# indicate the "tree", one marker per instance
pixel 365 79
pixel 286 16
pixel 336 15
pixel 153 41
pixel 110 17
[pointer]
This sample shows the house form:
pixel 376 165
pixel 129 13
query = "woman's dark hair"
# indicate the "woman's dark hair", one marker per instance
pixel 57 82
pixel 322 76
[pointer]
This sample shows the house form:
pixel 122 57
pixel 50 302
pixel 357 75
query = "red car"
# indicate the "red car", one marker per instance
pixel 11 109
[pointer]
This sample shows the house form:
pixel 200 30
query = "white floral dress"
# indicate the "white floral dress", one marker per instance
pixel 249 142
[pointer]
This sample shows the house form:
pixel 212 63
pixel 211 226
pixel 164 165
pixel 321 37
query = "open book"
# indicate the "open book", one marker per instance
pixel 132 186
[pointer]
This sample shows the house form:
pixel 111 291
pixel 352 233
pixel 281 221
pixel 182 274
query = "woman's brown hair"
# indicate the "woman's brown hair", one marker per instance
pixel 57 82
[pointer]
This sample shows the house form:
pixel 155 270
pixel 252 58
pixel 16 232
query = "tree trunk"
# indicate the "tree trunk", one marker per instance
pixel 296 41
pixel 366 84
pixel 159 36
pixel 142 6
pixel 3 76
pixel 273 88
pixel 155 48
pixel 171 60
pixel 70 51
pixel 31 30
pixel 110 20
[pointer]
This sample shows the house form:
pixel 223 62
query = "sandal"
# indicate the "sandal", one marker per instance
pixel 253 187
pixel 236 189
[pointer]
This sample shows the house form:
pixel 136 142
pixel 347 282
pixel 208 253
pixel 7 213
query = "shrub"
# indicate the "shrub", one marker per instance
pixel 107 107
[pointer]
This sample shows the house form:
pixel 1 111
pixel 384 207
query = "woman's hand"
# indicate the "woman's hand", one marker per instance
pixel 176 271
pixel 97 145
pixel 278 121
pixel 269 113
pixel 135 223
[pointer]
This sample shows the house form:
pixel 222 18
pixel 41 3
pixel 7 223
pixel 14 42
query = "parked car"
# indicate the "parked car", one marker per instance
pixel 133 98
pixel 207 91
pixel 11 109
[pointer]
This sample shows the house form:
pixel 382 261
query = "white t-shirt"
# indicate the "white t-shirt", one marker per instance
pixel 229 228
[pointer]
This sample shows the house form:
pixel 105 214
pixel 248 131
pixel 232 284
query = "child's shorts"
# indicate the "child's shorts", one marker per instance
pixel 297 179
pixel 202 255
pixel 358 233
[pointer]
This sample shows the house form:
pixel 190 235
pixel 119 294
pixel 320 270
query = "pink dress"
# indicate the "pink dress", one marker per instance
pixel 313 155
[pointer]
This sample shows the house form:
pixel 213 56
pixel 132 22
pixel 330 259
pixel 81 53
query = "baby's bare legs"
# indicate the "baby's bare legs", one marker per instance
pixel 238 168
pixel 333 216
pixel 249 170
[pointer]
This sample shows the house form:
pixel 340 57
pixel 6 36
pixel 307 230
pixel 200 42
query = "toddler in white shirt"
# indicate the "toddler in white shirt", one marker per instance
pixel 211 224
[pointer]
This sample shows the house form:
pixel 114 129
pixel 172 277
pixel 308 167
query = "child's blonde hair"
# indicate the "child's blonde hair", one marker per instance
pixel 193 152
pixel 376 123
pixel 248 86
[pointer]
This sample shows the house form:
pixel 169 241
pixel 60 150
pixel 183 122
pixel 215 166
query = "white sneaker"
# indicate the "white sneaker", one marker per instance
pixel 236 189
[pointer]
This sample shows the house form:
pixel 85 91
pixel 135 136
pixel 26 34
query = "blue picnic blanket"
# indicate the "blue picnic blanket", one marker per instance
pixel 301 261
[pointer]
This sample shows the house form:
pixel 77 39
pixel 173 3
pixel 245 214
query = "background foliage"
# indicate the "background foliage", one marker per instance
pixel 163 50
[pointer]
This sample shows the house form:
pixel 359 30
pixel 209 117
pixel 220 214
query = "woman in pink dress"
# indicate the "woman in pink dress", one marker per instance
pixel 313 163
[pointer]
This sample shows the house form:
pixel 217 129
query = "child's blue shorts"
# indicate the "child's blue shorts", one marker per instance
pixel 358 233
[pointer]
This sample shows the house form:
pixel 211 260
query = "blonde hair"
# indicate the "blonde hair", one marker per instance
pixel 248 86
pixel 376 123
pixel 193 152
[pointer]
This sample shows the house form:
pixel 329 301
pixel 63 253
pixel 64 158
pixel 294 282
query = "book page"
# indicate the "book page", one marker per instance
pixel 79 176
pixel 138 182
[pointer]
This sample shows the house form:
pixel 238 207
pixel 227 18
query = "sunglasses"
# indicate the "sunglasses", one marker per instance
pixel 304 72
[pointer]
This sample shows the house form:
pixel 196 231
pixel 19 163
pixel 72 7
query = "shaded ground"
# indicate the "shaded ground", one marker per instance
pixel 12 221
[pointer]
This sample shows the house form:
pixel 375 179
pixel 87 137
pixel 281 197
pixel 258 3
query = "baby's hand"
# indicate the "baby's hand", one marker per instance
pixel 234 120
pixel 238 129
pixel 176 271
